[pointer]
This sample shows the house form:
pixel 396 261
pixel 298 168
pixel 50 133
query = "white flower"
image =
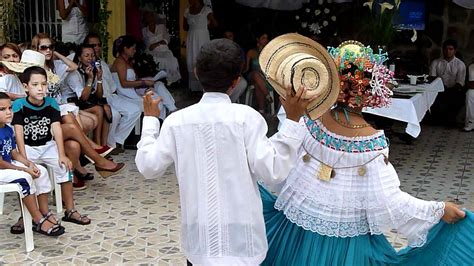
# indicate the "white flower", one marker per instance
pixel 414 37
pixel 307 10
pixel 385 5
pixel 317 12
pixel 297 17
pixel 333 18
pixel 325 23
pixel 369 4
pixel 335 34
pixel 304 24
pixel 326 10
pixel 397 3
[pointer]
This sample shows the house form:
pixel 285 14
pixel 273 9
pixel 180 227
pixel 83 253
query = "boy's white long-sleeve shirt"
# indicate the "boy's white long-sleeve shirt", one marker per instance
pixel 219 149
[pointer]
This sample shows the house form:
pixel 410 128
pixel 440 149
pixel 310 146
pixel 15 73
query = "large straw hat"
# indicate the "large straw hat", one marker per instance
pixel 30 58
pixel 294 60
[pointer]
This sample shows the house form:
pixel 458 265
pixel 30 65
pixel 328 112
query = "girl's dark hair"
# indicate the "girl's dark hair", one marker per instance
pixel 218 65
pixel 12 46
pixel 26 75
pixel 121 42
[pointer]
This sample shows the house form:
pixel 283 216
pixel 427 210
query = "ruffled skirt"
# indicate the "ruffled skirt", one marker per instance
pixel 290 244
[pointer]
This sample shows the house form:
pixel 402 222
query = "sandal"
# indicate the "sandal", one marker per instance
pixel 51 215
pixel 68 217
pixel 55 230
pixel 18 227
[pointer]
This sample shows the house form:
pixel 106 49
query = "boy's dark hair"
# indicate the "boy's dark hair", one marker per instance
pixel 218 65
pixel 450 42
pixel 26 75
pixel 3 96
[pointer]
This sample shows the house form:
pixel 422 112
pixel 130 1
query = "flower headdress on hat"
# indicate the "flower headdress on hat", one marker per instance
pixel 364 79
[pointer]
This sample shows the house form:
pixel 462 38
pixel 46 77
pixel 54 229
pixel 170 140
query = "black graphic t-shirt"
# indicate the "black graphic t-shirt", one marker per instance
pixel 36 120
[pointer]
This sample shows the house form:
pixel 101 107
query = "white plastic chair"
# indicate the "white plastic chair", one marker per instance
pixel 57 190
pixel 27 220
pixel 249 98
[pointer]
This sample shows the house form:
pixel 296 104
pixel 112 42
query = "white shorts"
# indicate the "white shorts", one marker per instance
pixel 48 154
pixel 29 185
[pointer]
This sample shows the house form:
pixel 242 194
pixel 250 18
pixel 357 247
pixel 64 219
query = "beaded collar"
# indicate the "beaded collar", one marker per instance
pixel 336 142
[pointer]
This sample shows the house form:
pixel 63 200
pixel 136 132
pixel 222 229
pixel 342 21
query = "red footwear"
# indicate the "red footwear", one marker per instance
pixel 79 185
pixel 104 150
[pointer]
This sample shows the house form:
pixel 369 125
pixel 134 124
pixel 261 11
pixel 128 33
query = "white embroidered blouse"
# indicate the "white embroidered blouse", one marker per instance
pixel 350 204
pixel 219 150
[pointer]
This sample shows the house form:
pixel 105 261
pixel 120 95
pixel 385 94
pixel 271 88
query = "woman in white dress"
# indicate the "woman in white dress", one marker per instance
pixel 126 80
pixel 74 20
pixel 156 38
pixel 197 19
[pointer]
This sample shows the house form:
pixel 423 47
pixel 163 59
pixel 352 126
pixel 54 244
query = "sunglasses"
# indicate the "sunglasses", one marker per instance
pixel 46 47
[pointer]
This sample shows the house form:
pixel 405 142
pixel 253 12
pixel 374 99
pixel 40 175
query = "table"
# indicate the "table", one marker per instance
pixel 411 110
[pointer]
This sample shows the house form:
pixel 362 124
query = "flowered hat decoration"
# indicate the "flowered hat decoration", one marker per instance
pixel 365 80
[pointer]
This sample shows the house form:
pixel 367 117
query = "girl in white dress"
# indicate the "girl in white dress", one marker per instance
pixel 74 20
pixel 197 19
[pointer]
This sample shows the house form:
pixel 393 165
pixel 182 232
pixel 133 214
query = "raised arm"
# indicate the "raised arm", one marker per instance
pixel 64 11
pixel 211 21
pixel 70 64
pixel 156 148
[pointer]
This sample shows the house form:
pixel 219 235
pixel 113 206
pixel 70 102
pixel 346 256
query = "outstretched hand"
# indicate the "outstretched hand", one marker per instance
pixel 150 105
pixel 452 213
pixel 295 104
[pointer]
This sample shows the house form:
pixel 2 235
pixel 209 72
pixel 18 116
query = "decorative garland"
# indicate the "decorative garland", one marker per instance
pixel 103 16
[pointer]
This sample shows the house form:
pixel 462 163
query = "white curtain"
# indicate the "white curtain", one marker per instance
pixel 469 4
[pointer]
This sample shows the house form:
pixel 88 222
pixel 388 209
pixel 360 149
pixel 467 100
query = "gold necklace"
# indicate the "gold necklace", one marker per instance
pixel 335 115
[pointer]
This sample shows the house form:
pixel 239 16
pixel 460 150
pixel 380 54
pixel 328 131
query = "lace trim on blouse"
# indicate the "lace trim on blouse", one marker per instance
pixel 321 134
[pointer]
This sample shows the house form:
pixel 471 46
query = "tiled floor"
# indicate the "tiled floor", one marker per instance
pixel 137 221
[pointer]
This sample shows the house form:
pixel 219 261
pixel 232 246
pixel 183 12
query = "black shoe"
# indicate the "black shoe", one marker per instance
pixel 83 160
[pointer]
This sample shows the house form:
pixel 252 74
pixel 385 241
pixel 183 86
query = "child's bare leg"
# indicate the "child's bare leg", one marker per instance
pixel 66 190
pixel 30 203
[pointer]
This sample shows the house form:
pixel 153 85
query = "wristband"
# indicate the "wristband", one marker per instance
pixel 99 82
pixel 89 84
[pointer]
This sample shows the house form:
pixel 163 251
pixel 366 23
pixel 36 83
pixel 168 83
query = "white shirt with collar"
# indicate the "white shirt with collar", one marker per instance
pixel 219 150
pixel 451 72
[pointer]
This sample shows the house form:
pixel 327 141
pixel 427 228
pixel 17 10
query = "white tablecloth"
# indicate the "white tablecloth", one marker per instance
pixel 411 110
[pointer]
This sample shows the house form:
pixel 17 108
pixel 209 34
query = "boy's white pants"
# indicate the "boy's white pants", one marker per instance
pixel 48 154
pixel 28 184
